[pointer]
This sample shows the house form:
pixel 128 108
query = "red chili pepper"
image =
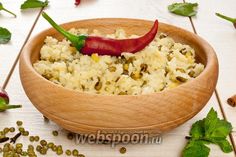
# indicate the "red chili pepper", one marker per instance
pixel 106 46
pixel 4 101
pixel 77 2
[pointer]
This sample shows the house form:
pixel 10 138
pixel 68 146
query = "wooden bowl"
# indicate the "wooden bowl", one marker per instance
pixel 151 113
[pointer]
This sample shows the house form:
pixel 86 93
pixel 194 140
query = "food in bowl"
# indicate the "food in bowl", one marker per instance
pixel 163 64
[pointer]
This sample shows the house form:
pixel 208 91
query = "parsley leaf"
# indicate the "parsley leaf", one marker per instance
pixel 34 4
pixel 183 9
pixel 197 130
pixel 196 149
pixel 210 130
pixel 5 35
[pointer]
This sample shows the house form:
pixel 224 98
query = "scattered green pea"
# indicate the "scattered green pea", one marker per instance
pixel 75 152
pixel 5 149
pixel 25 133
pixel 2 133
pixel 81 155
pixel 68 152
pixel 54 148
pixel 50 145
pixel 55 133
pixel 21 129
pixel 43 143
pixel 31 138
pixel 70 136
pixel 6 130
pixel 36 138
pixel 122 150
pixel 31 147
pixel 59 152
pixel 43 151
pixel 24 153
pixel 12 129
pixel 19 123
pixel 19 145
pixel 38 148
pixel 18 150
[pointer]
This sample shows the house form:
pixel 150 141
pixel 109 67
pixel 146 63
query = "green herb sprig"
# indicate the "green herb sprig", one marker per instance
pixel 210 130
pixel 230 19
pixel 5 35
pixel 34 4
pixel 6 10
pixel 183 9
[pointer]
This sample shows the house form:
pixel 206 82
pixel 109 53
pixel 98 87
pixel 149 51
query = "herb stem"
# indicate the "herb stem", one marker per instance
pixel 9 11
pixel 233 20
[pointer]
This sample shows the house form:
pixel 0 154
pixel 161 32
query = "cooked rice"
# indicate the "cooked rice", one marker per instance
pixel 163 64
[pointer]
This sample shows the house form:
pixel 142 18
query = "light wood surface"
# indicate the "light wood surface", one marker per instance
pixel 173 142
pixel 222 36
pixel 19 27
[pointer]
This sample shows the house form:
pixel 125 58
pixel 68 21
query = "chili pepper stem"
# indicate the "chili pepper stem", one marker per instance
pixel 77 41
pixel 6 107
pixel 9 12
pixel 233 20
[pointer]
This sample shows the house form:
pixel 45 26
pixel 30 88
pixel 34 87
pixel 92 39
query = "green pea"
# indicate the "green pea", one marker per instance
pixel 39 148
pixel 6 130
pixel 31 138
pixel 81 155
pixel 11 147
pixel 59 147
pixel 43 142
pixel 36 138
pixel 31 147
pixel 43 151
pixel 21 129
pixel 19 145
pixel 55 133
pixel 59 152
pixel 24 153
pixel 68 152
pixel 16 155
pixel 54 148
pixel 5 149
pixel 18 150
pixel 122 150
pixel 25 133
pixel 70 136
pixel 12 129
pixel 50 145
pixel 75 152
pixel 19 123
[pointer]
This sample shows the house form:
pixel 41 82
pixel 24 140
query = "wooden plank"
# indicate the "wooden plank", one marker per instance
pixel 19 27
pixel 222 36
pixel 173 142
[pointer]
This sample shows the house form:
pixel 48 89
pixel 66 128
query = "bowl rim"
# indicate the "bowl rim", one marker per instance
pixel 211 58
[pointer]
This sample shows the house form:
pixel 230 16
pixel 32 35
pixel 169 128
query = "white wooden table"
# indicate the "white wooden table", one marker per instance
pixel 220 34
